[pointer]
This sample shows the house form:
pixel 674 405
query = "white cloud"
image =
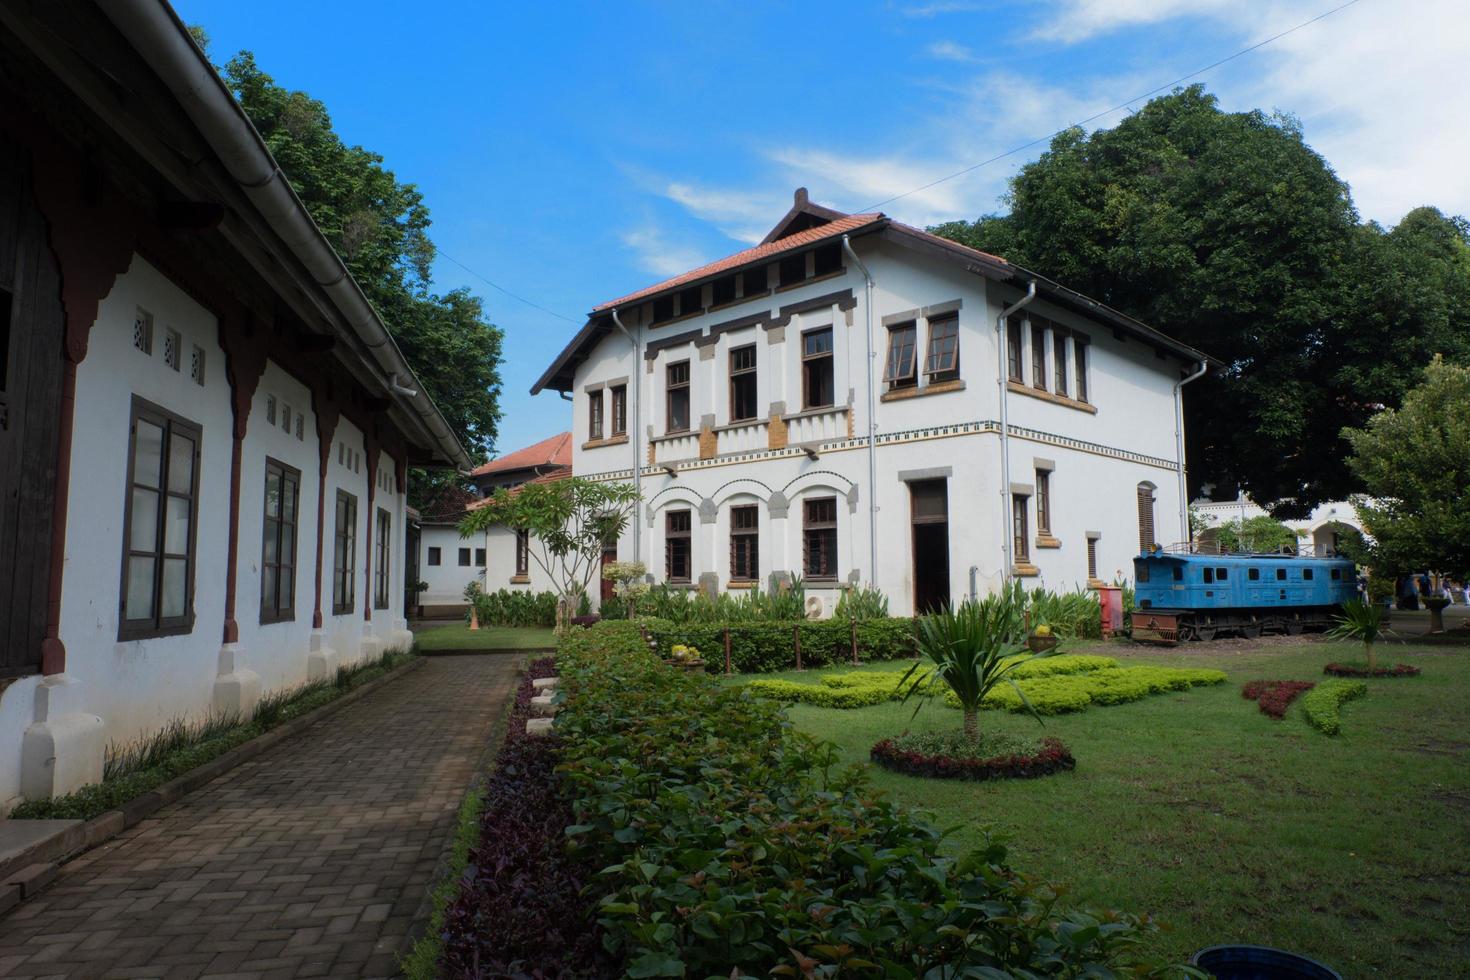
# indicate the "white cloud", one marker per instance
pixel 745 216
pixel 659 256
pixel 1082 19
pixel 926 10
pixel 950 51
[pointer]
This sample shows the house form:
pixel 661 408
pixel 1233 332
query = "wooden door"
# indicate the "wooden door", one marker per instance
pixel 30 402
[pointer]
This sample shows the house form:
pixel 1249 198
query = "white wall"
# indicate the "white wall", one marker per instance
pixel 448 579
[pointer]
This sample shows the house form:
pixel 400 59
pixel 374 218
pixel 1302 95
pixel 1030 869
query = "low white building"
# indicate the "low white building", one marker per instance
pixel 447 563
pixel 1322 532
pixel 839 403
pixel 205 430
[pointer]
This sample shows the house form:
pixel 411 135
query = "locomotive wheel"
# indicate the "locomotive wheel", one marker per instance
pixel 1293 627
pixel 1251 631
pixel 1207 633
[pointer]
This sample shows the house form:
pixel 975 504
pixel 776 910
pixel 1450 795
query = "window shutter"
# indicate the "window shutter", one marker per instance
pixel 1145 517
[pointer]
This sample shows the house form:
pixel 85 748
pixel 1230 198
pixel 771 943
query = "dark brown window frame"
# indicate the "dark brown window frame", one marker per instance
pixel 1079 355
pixel 1014 362
pixel 819 564
pixel 740 376
pixel 745 543
pixel 381 560
pixel 464 557
pixel 157 624
pixel 594 414
pixel 684 534
pixel 271 608
pixel 479 557
pixel 344 546
pixel 811 362
pixel 1147 527
pixel 436 556
pixel 523 553
pixel 1020 528
pixel 903 348
pixel 942 364
pixel 672 387
pixel 1038 354
pixel 619 407
pixel 1060 367
pixel 1043 502
pixel 1092 558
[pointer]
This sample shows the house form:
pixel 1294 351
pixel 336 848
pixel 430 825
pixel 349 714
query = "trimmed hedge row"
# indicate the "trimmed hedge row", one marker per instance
pixel 1061 693
pixel 725 844
pixel 1322 705
pixel 1051 757
pixel 1363 670
pixel 761 648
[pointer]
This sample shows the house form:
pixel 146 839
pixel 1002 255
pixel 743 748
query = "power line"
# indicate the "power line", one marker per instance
pixel 1106 112
pixel 497 286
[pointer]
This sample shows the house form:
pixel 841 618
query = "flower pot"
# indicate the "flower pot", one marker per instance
pixel 1041 644
pixel 1435 604
pixel 1259 963
pixel 693 666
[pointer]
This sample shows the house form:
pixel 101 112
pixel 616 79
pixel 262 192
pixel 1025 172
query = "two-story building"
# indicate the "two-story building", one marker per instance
pixel 854 400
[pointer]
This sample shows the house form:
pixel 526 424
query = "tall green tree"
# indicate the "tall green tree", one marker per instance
pixel 380 227
pixel 1228 232
pixel 1414 462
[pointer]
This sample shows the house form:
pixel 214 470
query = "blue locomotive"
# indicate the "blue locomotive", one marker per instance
pixel 1198 597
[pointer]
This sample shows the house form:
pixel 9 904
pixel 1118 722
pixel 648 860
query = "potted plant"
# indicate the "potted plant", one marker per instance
pixel 1042 639
pixel 685 658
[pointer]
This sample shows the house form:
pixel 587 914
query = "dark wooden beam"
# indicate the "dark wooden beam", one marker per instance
pixel 315 343
pixel 373 403
pixel 190 216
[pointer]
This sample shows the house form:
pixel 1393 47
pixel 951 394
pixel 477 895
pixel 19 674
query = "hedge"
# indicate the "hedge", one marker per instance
pixel 1062 693
pixel 1322 704
pixel 723 843
pixel 761 648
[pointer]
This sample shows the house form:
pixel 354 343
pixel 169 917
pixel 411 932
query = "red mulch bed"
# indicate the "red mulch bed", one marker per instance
pixel 1053 757
pixel 1358 670
pixel 1275 697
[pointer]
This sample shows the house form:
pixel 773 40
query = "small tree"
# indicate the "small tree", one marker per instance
pixel 1262 534
pixel 1363 622
pixel 568 521
pixel 1415 466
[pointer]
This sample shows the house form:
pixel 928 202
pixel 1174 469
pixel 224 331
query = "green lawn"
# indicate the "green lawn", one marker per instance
pixel 1228 825
pixel 458 636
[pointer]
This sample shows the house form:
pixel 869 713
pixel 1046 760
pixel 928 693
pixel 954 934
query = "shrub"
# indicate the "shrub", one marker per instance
pixel 824 696
pixel 1274 697
pixel 513 608
pixel 724 844
pixel 1322 705
pixel 1363 670
pixel 763 647
pixel 862 602
pixel 1061 693
pixel 958 758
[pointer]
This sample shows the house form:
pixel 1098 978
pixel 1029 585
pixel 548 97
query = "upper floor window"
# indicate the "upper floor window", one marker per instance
pixel 942 363
pixel 619 410
pixel 792 269
pixel 826 259
pixel 159 524
pixel 817 386
pixel 754 282
pixel 1059 384
pixel 344 554
pixel 663 309
pixel 1043 502
pixel 744 543
pixel 677 546
pixel 278 550
pixel 691 301
pixel 677 407
pixel 1079 354
pixel 899 370
pixel 722 291
pixel 594 414
pixel 1038 355
pixel 1013 348
pixel 742 383
pixel 819 538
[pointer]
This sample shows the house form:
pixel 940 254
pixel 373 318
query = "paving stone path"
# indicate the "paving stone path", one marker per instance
pixel 308 861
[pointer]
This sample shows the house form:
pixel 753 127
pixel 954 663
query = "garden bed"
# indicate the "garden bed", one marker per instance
pixel 1323 704
pixel 1363 670
pixel 952 755
pixel 1275 697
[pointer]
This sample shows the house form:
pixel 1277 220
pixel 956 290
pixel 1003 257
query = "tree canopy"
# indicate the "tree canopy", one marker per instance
pixel 1226 231
pixel 380 227
pixel 1414 462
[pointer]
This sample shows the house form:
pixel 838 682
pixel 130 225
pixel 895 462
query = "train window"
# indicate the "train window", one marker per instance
pixel 1209 575
pixel 1179 573
pixel 1337 575
pixel 1281 575
pixel 1221 574
pixel 1306 575
pixel 1142 574
pixel 1254 574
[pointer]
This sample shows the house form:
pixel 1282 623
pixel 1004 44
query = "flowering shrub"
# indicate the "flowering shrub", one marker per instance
pixel 940 762
pixel 1363 670
pixel 719 842
pixel 1322 705
pixel 1274 697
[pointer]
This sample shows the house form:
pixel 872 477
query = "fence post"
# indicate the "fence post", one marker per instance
pixel 796 635
pixel 727 651
pixel 852 625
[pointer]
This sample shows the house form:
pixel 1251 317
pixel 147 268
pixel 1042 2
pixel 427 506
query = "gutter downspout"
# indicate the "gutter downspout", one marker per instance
pixel 633 427
pixel 872 421
pixel 1185 535
pixel 1002 369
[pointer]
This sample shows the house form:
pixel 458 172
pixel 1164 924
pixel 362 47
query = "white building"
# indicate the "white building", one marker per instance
pixel 1321 532
pixel 838 403
pixel 205 430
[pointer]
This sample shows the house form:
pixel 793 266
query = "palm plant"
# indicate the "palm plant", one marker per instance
pixel 1363 622
pixel 970 649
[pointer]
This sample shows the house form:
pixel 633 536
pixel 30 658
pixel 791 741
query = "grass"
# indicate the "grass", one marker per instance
pixel 145 764
pixel 458 636
pixel 1229 825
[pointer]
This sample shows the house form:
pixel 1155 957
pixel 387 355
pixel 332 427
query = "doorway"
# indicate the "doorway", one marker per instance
pixel 929 514
pixel 609 555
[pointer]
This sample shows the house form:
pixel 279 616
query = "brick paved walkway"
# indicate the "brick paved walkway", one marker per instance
pixel 308 861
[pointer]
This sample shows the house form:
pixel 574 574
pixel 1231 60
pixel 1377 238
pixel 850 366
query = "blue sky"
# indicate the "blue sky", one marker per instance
pixel 574 152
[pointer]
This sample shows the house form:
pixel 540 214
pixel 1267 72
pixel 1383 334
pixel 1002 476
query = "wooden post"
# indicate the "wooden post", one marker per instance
pixel 727 651
pixel 796 635
pixel 852 625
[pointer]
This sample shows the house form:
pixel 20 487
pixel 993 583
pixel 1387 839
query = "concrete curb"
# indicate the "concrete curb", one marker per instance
pixel 468 652
pixel 75 840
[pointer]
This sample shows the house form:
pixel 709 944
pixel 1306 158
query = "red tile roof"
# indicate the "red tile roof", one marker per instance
pixel 544 478
pixel 556 451
pixel 841 226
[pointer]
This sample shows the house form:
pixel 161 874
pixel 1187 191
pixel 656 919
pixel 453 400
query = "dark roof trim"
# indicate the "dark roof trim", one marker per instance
pixel 801 207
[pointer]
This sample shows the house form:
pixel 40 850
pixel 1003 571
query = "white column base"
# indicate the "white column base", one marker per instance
pixel 65 747
pixel 321 660
pixel 401 638
pixel 370 647
pixel 236 687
